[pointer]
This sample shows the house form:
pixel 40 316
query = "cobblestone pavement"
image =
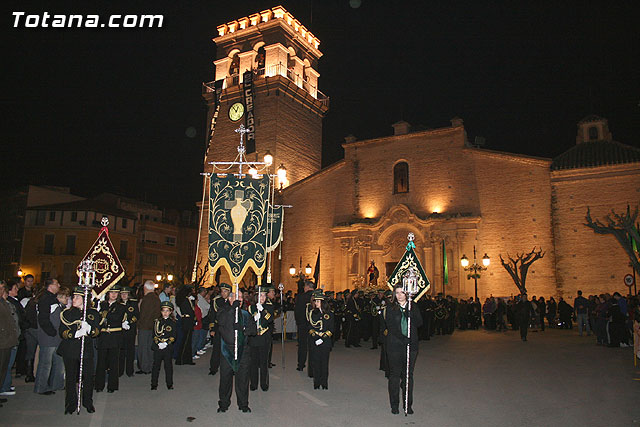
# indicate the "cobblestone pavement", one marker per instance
pixel 472 378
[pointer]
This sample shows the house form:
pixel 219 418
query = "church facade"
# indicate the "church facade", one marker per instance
pixel 453 196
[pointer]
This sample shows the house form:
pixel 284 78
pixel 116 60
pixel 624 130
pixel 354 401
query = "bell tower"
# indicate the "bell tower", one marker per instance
pixel 282 57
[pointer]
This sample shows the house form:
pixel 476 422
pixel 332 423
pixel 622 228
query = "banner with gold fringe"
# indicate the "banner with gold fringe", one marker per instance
pixel 238 225
pixel 106 263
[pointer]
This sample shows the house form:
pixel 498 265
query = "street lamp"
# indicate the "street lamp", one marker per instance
pixel 19 272
pixel 158 277
pixel 170 277
pixel 307 269
pixel 282 175
pixel 292 270
pixel 268 158
pixel 475 268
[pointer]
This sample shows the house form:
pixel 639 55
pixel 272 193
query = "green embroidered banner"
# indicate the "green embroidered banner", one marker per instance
pixel 276 222
pixel 238 225
pixel 409 260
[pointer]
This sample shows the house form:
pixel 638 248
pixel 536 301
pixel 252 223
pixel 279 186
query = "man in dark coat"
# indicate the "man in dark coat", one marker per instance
pixel 220 302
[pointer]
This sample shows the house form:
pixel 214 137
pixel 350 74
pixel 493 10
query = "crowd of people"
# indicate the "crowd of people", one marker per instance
pixel 135 331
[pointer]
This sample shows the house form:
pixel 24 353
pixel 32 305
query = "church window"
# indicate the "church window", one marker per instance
pixel 401 178
pixel 593 133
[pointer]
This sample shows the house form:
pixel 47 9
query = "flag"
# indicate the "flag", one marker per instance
pixel 107 266
pixel 445 266
pixel 238 224
pixel 410 260
pixel 316 271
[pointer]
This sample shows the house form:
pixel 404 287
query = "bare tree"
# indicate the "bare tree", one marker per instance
pixel 623 228
pixel 202 270
pixel 518 267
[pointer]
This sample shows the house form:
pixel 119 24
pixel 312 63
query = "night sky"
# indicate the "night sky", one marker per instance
pixel 110 110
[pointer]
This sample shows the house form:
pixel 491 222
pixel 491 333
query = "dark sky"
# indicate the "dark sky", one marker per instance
pixel 108 109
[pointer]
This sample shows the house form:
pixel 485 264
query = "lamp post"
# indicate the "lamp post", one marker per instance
pixel 301 275
pixel 475 268
pixel 19 272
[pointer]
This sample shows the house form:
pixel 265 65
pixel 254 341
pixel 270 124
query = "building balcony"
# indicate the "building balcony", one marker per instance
pixel 271 71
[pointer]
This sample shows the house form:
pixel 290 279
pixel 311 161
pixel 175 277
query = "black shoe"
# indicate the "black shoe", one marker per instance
pixel 264 388
pixel 410 411
pixel 90 409
pixel 395 411
pixel 140 372
pixel 222 410
pixel 48 393
pixel 213 372
pixel 325 387
pixel 154 387
pixel 99 390
pixel 357 345
pixel 110 391
pixel 271 365
pixel 315 387
pixel 29 379
pixel 253 388
pixel 170 387
pixel 245 409
pixel 299 368
pixel 69 411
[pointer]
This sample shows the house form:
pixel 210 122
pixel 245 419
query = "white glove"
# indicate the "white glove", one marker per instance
pixel 319 341
pixel 80 333
pixel 256 317
pixel 53 308
pixel 125 325
pixel 86 328
pixel 162 345
pixel 191 297
pixel 260 307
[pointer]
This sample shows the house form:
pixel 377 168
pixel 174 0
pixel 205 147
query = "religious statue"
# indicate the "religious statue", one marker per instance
pixel 373 274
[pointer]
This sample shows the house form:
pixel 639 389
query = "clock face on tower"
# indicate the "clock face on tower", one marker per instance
pixel 236 111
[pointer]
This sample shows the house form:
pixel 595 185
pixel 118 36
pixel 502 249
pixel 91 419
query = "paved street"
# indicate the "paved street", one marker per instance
pixel 473 378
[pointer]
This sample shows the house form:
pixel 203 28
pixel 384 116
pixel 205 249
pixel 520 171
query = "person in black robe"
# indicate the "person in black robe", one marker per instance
pixel 216 304
pixel 185 301
pixel 233 318
pixel 397 338
pixel 72 329
pixel 302 303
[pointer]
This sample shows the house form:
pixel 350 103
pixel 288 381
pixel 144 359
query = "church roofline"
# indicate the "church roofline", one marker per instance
pixel 438 131
pixel 313 176
pixel 542 161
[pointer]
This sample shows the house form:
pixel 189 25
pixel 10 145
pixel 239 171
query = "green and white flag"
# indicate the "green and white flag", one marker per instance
pixel 238 225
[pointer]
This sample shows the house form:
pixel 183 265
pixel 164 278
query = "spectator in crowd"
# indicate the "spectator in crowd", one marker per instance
pixel 581 310
pixel 552 309
pixel 50 374
pixel 26 290
pixel 564 312
pixel 6 387
pixel 30 335
pixel 8 332
pixel 167 292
